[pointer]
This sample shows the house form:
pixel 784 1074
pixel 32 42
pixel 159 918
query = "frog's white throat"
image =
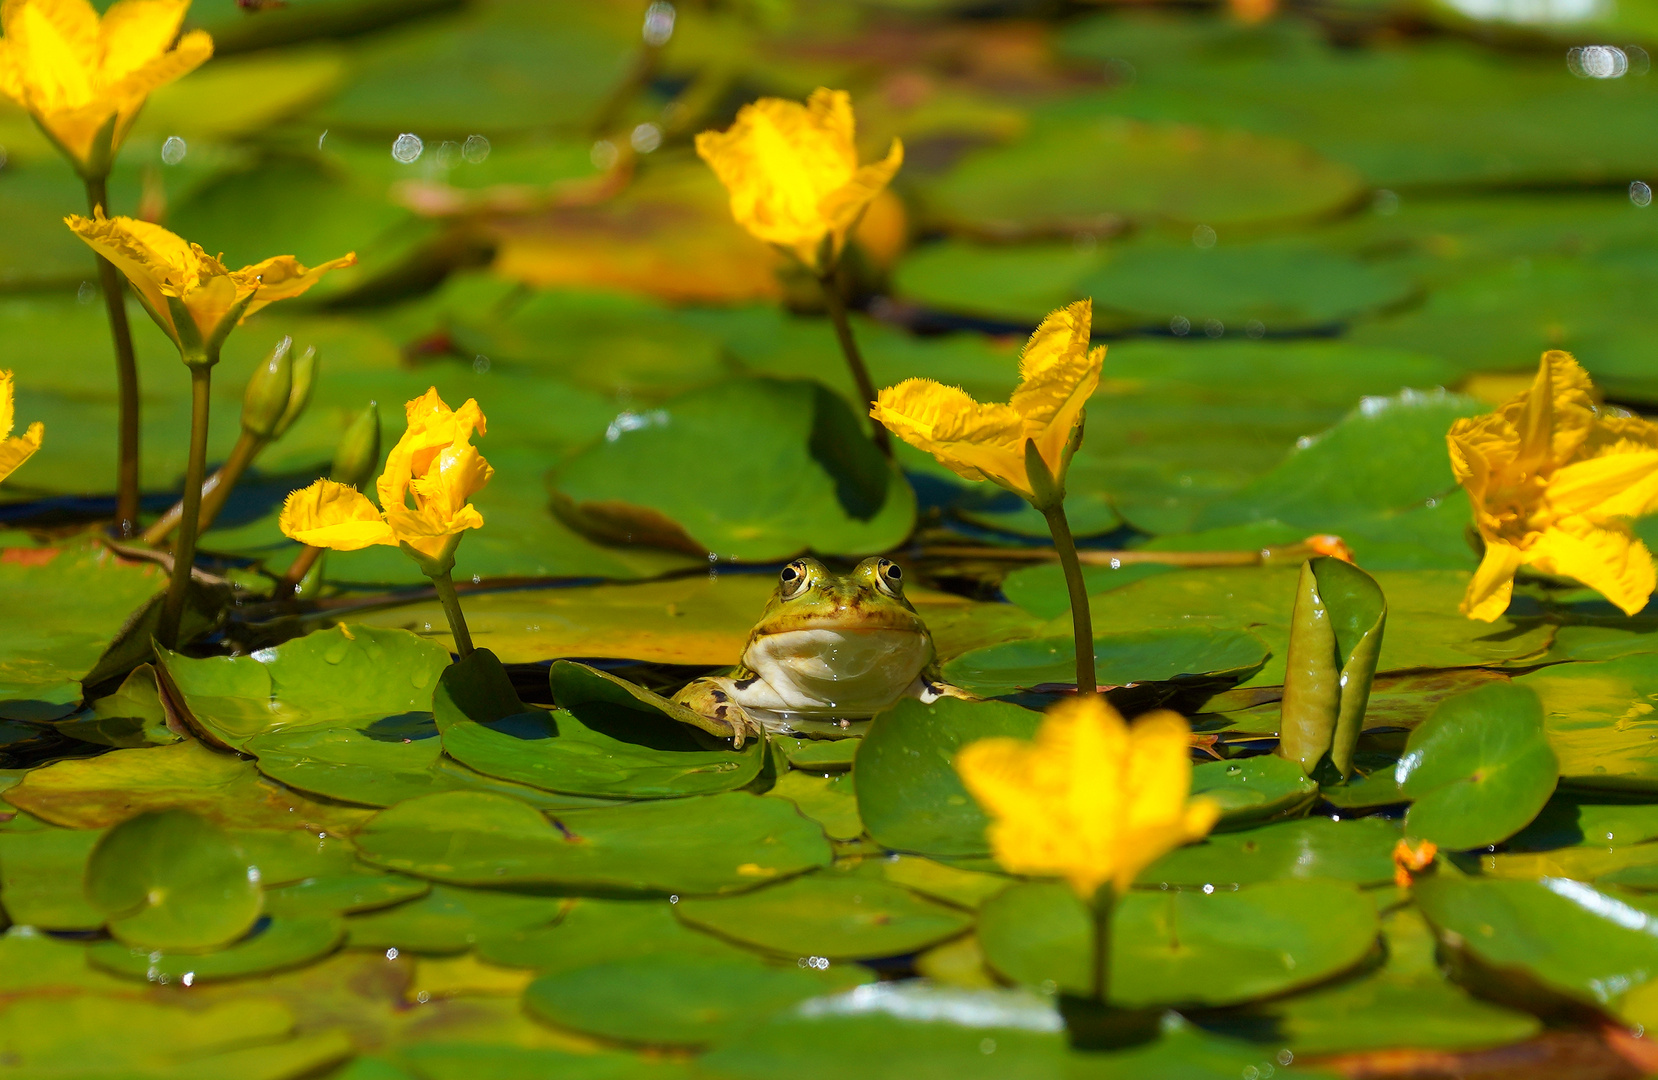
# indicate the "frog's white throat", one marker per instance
pixel 834 673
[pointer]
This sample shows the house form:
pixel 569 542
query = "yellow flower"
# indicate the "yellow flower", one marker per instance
pixel 15 449
pixel 429 477
pixel 1057 371
pixel 1092 800
pixel 189 293
pixel 1554 482
pixel 79 76
pixel 793 174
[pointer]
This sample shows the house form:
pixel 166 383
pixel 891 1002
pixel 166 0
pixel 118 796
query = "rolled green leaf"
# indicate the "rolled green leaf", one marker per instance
pixel 1335 637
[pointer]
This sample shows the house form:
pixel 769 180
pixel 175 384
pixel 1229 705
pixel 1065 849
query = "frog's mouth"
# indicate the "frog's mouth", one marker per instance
pixel 845 673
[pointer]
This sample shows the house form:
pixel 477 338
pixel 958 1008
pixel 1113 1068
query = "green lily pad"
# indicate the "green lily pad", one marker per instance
pixel 1019 283
pixel 1041 590
pixel 1281 285
pixel 676 1000
pixel 611 739
pixel 445 1060
pixel 842 918
pixel 1600 721
pixel 1565 935
pixel 1427 631
pixel 1254 790
pixel 748 469
pixel 818 755
pixel 1567 820
pixel 342 894
pixel 32 962
pixel 40 878
pixel 1122 659
pixel 1407 1004
pixel 1441 114
pixel 172 880
pixel 596 931
pixel 888 1031
pixel 953 885
pixel 351 676
pixel 712 844
pixel 275 945
pixel 828 800
pixel 80 597
pixel 909 795
pixel 93 793
pixel 133 716
pixel 1187 948
pixel 250 1038
pixel 1380 478
pixel 1069 179
pixel 1479 770
pixel 449 919
pixel 553 65
pixel 1359 851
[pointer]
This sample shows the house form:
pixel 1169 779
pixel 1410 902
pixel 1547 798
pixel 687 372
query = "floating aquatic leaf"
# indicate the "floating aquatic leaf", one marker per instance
pixel 714 844
pixel 1479 770
pixel 171 880
pixel 843 918
pixel 275 944
pixel 677 1000
pixel 1184 947
pixel 909 795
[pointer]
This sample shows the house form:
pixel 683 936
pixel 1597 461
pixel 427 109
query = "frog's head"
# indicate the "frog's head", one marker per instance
pixel 809 596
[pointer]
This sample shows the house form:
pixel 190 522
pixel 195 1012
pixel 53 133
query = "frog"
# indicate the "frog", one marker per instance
pixel 828 647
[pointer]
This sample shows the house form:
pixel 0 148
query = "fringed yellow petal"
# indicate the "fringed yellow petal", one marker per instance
pixel 136 32
pixel 1554 481
pixel 332 515
pixel 283 277
pixel 1058 374
pixel 8 407
pixel 1610 561
pixel 976 441
pixel 1091 799
pixel 792 171
pixel 1492 584
pixel 75 73
pixel 20 448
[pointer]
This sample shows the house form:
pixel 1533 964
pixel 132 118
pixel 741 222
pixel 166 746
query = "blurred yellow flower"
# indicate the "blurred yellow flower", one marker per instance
pixel 1092 799
pixel 430 476
pixel 1058 372
pixel 189 293
pixel 15 449
pixel 793 174
pixel 79 75
pixel 1554 481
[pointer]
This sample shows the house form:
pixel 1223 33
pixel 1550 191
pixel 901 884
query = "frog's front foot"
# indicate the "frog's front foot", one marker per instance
pixel 927 690
pixel 713 698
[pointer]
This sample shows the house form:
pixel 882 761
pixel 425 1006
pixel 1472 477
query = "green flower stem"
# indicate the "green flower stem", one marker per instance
pixel 288 587
pixel 126 373
pixel 184 552
pixel 1105 904
pixel 445 586
pixel 854 359
pixel 1082 620
pixel 215 490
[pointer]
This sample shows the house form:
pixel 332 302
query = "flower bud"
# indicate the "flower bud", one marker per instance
pixel 299 396
pixel 359 451
pixel 268 391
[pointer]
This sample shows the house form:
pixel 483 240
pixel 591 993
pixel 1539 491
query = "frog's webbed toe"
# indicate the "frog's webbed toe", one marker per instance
pixel 928 688
pixel 711 697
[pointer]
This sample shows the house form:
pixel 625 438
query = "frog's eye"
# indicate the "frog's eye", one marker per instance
pixel 792 579
pixel 889 577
